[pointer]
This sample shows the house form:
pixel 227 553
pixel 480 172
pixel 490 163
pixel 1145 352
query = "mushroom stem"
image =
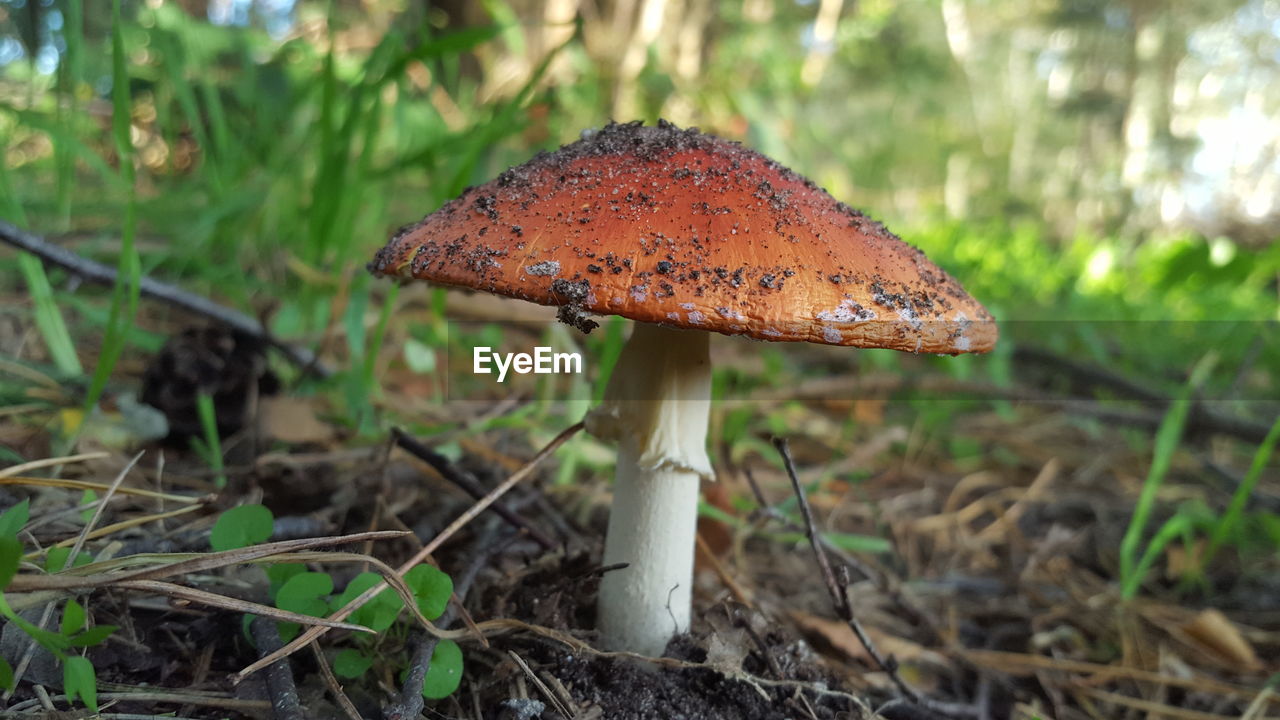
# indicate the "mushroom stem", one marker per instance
pixel 651 528
pixel 656 408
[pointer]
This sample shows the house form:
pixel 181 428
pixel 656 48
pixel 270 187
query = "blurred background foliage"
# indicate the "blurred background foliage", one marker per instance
pixel 1068 160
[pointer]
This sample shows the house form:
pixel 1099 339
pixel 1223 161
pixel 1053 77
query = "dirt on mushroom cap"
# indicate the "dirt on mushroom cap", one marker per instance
pixel 680 228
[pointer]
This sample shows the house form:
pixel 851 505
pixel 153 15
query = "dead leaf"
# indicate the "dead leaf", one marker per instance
pixel 840 636
pixel 292 420
pixel 1217 634
pixel 869 411
pixel 1181 562
pixel 727 645
pixel 727 653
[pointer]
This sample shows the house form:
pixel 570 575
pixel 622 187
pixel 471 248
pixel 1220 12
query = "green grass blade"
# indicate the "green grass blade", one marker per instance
pixel 48 318
pixel 1168 532
pixel 1230 520
pixel 1167 439
pixel 379 333
pixel 124 300
pixel 454 43
pixel 61 137
pixel 174 61
pixel 68 107
pixel 610 351
pixel 53 329
pixel 219 131
pixel 212 441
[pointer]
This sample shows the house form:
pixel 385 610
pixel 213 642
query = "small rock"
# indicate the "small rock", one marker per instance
pixel 522 709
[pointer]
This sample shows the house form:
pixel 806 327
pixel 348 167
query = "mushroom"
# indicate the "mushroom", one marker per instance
pixel 684 233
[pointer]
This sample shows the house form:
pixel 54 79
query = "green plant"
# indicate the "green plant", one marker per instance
pixel 124 299
pixel 210 448
pixel 7 681
pixel 431 590
pixel 295 588
pixel 56 559
pixel 1229 524
pixel 48 317
pixel 241 526
pixel 305 593
pixel 79 680
pixel 850 542
pixel 445 673
pixel 1193 522
pixel 1133 569
pixel 11 521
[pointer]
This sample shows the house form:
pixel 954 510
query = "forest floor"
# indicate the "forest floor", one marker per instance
pixel 982 556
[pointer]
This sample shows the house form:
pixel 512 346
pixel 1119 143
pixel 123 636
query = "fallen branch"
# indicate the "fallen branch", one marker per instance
pixel 1202 419
pixel 96 272
pixel 285 704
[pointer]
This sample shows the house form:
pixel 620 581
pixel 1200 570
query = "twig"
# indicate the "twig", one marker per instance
pixel 598 571
pixel 194 564
pixel 828 577
pixel 104 275
pixel 409 703
pixel 839 594
pixel 928 709
pixel 1259 499
pixel 1090 375
pixel 1152 708
pixel 1202 419
pixel 763 505
pixel 542 686
pixel 138 716
pixel 1021 665
pixel 581 647
pixel 285 704
pixel 468 484
pixel 223 602
pixel 844 608
pixel 248 707
pixel 311 634
pixel 335 688
pixel 881 579
pixel 50 462
pixel 740 594
pixel 43 695
pixel 97 513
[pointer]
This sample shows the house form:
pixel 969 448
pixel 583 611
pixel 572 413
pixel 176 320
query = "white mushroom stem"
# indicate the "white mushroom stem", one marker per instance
pixel 655 407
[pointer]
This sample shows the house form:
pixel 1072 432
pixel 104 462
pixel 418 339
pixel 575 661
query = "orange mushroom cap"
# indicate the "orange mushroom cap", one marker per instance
pixel 684 229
